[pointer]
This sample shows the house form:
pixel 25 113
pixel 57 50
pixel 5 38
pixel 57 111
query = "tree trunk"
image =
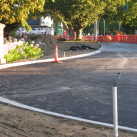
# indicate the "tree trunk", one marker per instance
pixel 78 34
pixel 78 29
pixel 9 28
pixel 71 30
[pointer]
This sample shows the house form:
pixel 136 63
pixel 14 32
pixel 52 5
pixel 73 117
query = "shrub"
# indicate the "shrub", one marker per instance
pixel 26 51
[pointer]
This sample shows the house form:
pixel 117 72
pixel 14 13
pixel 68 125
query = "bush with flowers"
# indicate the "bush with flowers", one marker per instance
pixel 26 51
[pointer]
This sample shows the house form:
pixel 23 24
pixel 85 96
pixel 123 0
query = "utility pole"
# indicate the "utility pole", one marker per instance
pixel 95 30
pixel 104 27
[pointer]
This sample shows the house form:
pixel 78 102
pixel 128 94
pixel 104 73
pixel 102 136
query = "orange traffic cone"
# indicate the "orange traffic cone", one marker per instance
pixel 56 54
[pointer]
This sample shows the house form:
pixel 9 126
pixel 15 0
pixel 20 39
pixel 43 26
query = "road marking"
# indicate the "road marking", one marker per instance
pixel 124 61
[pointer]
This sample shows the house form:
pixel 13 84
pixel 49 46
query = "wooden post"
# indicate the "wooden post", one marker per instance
pixel 2 60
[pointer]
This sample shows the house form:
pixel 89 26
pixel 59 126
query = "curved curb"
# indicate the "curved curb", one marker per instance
pixel 4 100
pixel 50 60
pixel 62 115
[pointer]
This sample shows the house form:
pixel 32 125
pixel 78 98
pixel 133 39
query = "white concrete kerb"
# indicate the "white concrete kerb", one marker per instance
pixel 49 60
pixel 62 115
pixel 4 100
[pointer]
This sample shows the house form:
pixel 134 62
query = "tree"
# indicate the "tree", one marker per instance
pixel 74 13
pixel 130 16
pixel 127 17
pixel 89 29
pixel 14 13
pixel 123 15
pixel 128 28
pixel 80 13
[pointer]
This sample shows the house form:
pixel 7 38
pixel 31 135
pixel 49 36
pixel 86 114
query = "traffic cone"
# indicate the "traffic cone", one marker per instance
pixel 56 54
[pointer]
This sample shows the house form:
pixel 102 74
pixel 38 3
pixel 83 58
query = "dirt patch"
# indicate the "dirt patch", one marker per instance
pixel 49 40
pixel 17 122
pixel 63 47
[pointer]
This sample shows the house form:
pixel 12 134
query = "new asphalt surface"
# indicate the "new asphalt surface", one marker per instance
pixel 79 87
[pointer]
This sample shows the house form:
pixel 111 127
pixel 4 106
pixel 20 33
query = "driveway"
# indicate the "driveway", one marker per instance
pixel 79 87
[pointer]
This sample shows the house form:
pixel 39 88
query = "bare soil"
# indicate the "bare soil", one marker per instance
pixel 50 44
pixel 18 122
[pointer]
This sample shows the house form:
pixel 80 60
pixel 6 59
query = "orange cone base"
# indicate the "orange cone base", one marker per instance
pixel 56 61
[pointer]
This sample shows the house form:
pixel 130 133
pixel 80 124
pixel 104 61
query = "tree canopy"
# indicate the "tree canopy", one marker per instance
pixel 130 16
pixel 111 27
pixel 80 13
pixel 127 17
pixel 122 15
pixel 15 12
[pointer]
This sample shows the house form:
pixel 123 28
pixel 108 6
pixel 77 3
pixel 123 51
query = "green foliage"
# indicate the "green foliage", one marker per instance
pixel 89 29
pixel 123 15
pixel 70 10
pixel 26 51
pixel 128 28
pixel 127 18
pixel 111 27
pixel 80 13
pixel 130 16
pixel 18 11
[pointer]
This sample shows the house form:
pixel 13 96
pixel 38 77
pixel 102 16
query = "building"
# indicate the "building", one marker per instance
pixel 38 26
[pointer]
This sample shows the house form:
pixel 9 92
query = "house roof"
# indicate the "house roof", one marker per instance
pixel 34 22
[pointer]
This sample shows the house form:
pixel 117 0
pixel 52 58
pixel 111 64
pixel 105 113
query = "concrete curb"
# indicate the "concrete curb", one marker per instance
pixel 49 60
pixel 63 116
pixel 4 100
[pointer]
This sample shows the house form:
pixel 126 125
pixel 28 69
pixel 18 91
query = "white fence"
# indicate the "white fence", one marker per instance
pixel 10 46
pixel 46 30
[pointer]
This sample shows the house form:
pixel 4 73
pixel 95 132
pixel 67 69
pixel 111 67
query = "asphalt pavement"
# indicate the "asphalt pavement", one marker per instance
pixel 79 87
